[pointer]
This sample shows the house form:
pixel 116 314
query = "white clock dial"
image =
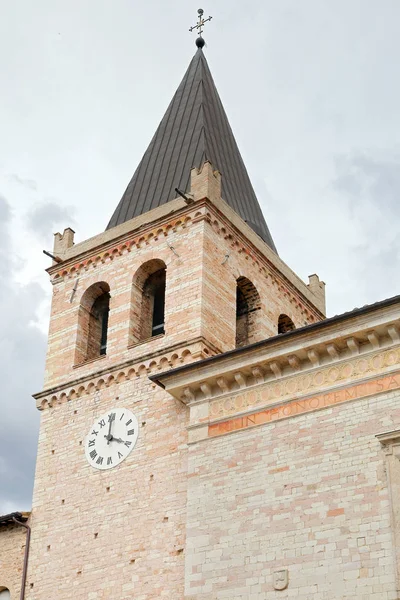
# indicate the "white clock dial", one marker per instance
pixel 111 438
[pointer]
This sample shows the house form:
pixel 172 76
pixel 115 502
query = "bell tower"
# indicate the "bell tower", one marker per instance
pixel 186 269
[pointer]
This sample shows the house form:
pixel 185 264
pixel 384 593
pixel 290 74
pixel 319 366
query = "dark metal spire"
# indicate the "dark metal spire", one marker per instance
pixel 194 129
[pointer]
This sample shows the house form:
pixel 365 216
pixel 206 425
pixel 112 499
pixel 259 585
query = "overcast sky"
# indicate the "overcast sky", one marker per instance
pixel 312 92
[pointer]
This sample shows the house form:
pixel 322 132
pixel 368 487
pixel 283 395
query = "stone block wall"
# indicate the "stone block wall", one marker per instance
pixel 12 548
pixel 204 257
pixel 118 533
pixel 183 300
pixel 121 533
pixel 225 261
pixel 308 494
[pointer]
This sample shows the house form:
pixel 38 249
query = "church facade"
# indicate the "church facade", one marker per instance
pixel 206 432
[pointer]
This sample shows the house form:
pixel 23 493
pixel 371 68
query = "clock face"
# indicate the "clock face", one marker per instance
pixel 111 438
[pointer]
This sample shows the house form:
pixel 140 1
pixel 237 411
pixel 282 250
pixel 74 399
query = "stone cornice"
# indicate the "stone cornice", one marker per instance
pixel 314 348
pixel 389 437
pixel 145 234
pixel 162 359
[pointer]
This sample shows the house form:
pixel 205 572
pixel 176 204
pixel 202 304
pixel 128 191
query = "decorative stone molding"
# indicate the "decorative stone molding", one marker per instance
pixel 300 385
pixel 110 252
pixel 390 442
pixel 284 408
pixel 318 367
pixel 353 346
pixel 202 210
pixel 314 368
pixel 393 331
pixel 157 362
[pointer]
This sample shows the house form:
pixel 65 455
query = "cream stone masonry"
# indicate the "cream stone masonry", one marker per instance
pixel 193 242
pixel 391 446
pixel 12 549
pixel 265 464
pixel 115 534
pixel 285 472
pixel 138 510
pixel 306 494
pixel 201 189
pixel 328 344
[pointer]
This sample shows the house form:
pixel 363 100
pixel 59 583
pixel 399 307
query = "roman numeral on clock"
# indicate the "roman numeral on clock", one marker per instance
pixel 131 432
pixel 128 422
pixel 128 444
pixel 111 417
pixel 99 461
pixel 92 443
pixel 109 460
pixel 102 423
pixel 120 455
pixel 93 454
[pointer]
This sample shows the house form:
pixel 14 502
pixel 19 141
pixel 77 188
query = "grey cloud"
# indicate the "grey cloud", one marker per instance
pixel 22 351
pixel 26 183
pixel 379 268
pixel 366 177
pixel 5 212
pixel 372 185
pixel 47 217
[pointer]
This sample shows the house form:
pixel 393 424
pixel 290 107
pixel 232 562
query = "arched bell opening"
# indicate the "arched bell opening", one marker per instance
pixel 148 301
pixel 93 323
pixel 285 324
pixel 248 305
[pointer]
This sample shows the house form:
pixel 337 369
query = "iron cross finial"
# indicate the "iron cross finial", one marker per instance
pixel 199 26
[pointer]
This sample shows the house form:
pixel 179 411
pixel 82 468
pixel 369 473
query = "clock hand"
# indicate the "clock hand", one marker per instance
pixel 118 440
pixel 109 437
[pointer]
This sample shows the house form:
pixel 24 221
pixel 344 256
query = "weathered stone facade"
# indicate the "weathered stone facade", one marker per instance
pixel 12 548
pixel 287 470
pixel 261 471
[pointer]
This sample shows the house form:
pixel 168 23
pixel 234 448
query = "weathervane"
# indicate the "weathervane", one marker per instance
pixel 200 41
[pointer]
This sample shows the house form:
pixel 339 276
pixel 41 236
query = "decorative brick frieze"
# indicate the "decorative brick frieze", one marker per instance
pixel 153 363
pixel 110 252
pixel 204 210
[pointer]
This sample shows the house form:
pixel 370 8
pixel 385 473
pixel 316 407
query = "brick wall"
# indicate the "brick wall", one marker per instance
pixel 200 296
pixel 114 534
pixel 308 494
pixel 121 533
pixel 12 548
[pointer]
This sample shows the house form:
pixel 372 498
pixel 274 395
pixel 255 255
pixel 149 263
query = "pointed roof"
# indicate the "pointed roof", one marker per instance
pixel 194 129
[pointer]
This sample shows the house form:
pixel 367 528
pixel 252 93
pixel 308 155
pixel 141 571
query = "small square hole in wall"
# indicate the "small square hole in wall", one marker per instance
pixel 31 585
pixel 108 488
pixel 95 535
pixel 132 561
pixel 62 501
pixel 52 451
pixel 48 547
pixel 143 423
pixel 75 412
